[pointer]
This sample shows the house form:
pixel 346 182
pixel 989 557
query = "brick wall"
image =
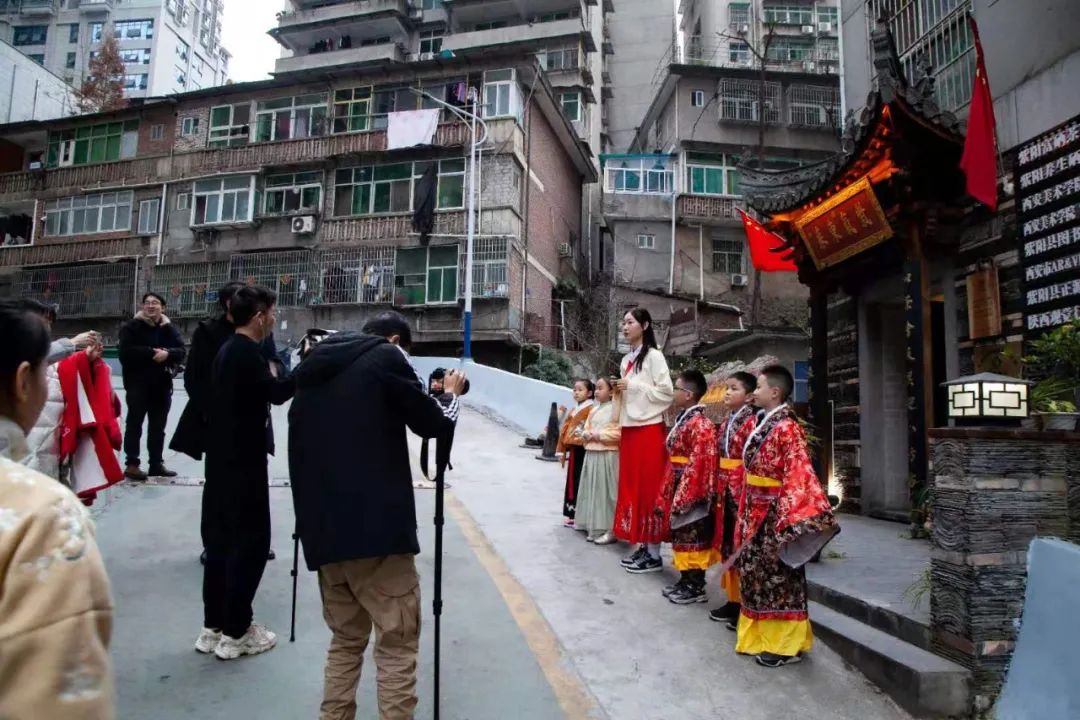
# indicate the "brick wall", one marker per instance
pixel 162 117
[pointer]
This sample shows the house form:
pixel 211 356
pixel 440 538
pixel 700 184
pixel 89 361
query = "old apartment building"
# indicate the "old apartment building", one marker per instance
pixel 289 183
pixel 167 46
pixel 674 240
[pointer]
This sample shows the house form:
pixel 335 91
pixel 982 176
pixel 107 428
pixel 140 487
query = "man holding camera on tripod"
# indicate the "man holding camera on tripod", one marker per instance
pixel 355 512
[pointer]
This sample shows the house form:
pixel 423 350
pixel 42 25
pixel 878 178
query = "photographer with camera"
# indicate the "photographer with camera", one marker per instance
pixel 356 394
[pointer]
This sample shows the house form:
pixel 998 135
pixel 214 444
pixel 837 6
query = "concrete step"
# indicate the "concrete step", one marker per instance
pixel 876 616
pixel 922 683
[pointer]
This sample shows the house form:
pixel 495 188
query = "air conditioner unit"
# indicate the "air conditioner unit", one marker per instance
pixel 743 29
pixel 807 29
pixel 426 56
pixel 303 224
pixel 35 165
pixel 739 280
pixel 808 65
pixel 564 249
pixel 824 27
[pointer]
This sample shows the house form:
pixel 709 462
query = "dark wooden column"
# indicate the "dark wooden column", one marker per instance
pixel 820 410
pixel 919 366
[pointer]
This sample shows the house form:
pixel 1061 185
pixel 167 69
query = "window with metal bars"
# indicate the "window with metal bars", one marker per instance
pixel 288 273
pixel 740 100
pixel 191 288
pixel 728 254
pixel 84 290
pixel 363 275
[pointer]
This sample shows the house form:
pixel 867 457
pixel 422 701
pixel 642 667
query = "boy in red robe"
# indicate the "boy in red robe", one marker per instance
pixel 785 519
pixel 731 436
pixel 688 496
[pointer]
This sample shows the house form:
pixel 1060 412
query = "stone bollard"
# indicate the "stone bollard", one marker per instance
pixel 551 437
pixel 993 492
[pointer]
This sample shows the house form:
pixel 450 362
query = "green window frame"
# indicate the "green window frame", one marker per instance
pixel 426 276
pixel 570 101
pixel 293 193
pixel 391 188
pixel 291 118
pixel 104 142
pixel 352 109
pixel 708 174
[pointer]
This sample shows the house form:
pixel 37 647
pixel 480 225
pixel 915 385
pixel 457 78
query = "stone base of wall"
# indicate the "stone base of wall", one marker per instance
pixel 993 492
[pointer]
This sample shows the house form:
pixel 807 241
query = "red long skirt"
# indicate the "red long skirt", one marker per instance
pixel 642 459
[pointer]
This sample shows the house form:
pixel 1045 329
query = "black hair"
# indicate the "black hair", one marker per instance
pixel 437 374
pixel 26 339
pixel 152 294
pixel 610 382
pixel 249 301
pixel 648 339
pixel 748 381
pixel 695 382
pixel 389 323
pixel 47 312
pixel 780 378
pixel 225 294
pixel 589 386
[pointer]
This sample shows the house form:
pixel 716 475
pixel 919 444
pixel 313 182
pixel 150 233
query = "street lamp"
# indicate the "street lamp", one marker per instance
pixel 988 397
pixel 472 119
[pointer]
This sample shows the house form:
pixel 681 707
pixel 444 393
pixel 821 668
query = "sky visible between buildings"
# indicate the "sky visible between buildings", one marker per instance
pixel 244 29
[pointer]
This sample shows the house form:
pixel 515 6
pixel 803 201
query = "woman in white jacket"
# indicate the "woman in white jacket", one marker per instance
pixel 646 392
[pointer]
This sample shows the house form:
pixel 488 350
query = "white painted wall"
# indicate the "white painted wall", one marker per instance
pixel 29 91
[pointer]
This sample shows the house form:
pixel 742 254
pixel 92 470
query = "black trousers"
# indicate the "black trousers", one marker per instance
pixel 150 402
pixel 236 535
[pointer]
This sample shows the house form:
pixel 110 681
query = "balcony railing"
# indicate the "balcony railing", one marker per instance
pixel 39 7
pixel 341 11
pixel 70 252
pixel 245 158
pixel 386 53
pixel 95 6
pixel 381 227
pixel 709 207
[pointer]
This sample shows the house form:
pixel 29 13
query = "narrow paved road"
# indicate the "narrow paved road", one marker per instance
pixel 538 625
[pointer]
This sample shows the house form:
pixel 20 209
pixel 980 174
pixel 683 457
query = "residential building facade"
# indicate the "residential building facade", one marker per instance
pixel 673 235
pixel 168 46
pixel 289 183
pixel 30 92
pixel 642 37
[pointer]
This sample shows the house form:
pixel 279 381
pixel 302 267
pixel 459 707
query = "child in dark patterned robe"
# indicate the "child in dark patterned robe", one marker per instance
pixel 785 519
pixel 572 447
pixel 730 480
pixel 688 496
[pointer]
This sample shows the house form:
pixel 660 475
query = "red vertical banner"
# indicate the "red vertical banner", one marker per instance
pixel 979 161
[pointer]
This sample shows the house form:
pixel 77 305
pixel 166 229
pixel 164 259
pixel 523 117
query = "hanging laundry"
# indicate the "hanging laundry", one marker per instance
pixel 461 92
pixel 411 127
pixel 424 216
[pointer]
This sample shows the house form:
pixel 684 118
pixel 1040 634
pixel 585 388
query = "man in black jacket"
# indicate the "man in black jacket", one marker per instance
pixel 356 395
pixel 150 350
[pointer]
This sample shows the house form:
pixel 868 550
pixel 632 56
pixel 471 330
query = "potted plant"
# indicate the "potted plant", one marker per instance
pixel 1055 361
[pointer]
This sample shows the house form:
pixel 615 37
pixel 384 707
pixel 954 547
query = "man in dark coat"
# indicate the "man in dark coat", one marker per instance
pixel 236 499
pixel 356 395
pixel 151 350
pixel 207 340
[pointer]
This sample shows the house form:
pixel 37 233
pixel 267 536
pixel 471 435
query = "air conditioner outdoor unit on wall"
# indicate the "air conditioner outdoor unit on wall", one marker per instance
pixel 427 56
pixel 564 249
pixel 807 29
pixel 743 29
pixel 303 225
pixel 824 27
pixel 740 280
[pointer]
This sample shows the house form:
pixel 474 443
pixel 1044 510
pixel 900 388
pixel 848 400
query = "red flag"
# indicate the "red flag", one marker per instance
pixel 766 248
pixel 979 161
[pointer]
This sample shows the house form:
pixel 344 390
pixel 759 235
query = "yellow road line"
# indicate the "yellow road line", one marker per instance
pixel 575 699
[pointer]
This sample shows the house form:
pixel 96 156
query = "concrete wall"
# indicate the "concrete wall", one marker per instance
pixel 522 402
pixel 642 33
pixel 1042 678
pixel 28 91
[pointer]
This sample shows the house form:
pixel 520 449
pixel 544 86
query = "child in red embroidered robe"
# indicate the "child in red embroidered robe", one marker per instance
pixel 688 496
pixel 731 436
pixel 785 519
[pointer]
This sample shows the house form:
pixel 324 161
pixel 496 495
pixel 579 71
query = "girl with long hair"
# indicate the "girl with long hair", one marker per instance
pixel 572 446
pixel 645 391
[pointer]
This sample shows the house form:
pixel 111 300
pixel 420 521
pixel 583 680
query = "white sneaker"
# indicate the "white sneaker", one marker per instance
pixel 208 640
pixel 256 640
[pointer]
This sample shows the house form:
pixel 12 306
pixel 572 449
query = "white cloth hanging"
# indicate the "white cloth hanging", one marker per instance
pixel 411 127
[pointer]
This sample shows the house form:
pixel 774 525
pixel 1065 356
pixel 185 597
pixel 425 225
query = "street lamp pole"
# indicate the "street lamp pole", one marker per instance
pixel 470 233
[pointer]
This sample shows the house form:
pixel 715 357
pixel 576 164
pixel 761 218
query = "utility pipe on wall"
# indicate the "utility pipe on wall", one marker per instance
pixel 701 258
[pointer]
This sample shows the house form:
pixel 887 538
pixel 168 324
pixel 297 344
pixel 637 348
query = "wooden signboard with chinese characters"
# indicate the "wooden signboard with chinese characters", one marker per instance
pixel 846 224
pixel 984 303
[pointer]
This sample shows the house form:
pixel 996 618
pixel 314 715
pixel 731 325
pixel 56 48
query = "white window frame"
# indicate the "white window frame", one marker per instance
pixel 575 97
pixel 297 184
pixel 646 241
pixel 639 177
pixel 149 211
pixel 569 58
pixel 183 201
pixel 63 214
pixel 432 40
pixel 233 135
pixel 223 195
pixel 294 110
pixel 501 95
pixel 189 126
pixel 697 98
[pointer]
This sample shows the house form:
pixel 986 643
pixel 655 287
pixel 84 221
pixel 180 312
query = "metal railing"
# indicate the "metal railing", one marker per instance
pixel 356 276
pixel 71 252
pixel 101 290
pixel 709 207
pixel 191 288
